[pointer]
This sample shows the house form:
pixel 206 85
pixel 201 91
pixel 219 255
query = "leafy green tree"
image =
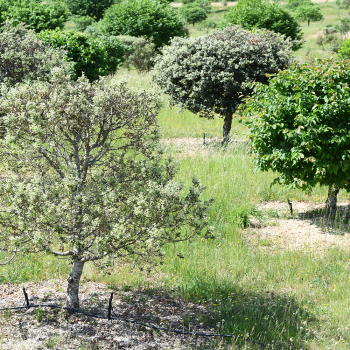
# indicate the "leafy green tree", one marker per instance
pixel 344 51
pixel 91 8
pixel 151 19
pixel 92 56
pixel 96 186
pixel 209 74
pixel 208 25
pixel 37 15
pixel 309 13
pixel 193 15
pixel 294 4
pixel 300 127
pixel 260 14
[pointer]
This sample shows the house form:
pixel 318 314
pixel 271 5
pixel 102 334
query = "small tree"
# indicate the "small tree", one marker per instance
pixel 252 14
pixel 91 8
pixel 309 13
pixel 294 4
pixel 36 15
pixel 300 127
pixel 92 56
pixel 344 51
pixel 151 19
pixel 85 179
pixel 192 14
pixel 82 22
pixel 208 74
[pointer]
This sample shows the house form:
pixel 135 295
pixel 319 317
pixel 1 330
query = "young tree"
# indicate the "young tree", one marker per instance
pixel 91 8
pixel 94 57
pixel 151 19
pixel 37 15
pixel 85 179
pixel 308 13
pixel 252 14
pixel 208 74
pixel 300 127
pixel 193 14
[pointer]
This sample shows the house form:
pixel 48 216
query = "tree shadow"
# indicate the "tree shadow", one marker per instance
pixel 264 320
pixel 337 223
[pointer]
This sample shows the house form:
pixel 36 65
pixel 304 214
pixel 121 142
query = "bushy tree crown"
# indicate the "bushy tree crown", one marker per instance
pixel 265 15
pixel 208 74
pixel 152 19
pixel 91 8
pixel 300 126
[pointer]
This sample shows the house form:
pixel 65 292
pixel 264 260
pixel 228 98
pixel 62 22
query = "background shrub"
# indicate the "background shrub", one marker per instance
pixel 141 51
pixel 91 8
pixel 193 14
pixel 93 56
pixel 82 22
pixel 152 19
pixel 37 15
pixel 258 14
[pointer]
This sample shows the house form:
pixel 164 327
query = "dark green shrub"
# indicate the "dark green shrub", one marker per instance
pixel 37 15
pixel 208 74
pixel 259 14
pixel 82 22
pixel 149 18
pixel 91 8
pixel 140 54
pixel 300 126
pixel 92 56
pixel 192 14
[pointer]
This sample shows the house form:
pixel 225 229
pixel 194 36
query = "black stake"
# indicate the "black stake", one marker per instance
pixel 110 306
pixel 204 138
pixel 290 206
pixel 26 296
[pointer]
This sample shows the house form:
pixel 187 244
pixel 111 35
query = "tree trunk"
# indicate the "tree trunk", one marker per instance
pixel 73 285
pixel 227 126
pixel 308 22
pixel 331 203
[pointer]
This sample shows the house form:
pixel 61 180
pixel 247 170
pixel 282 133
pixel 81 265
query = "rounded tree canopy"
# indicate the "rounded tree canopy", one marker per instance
pixel 193 14
pixel 309 13
pixel 260 14
pixel 149 18
pixel 300 125
pixel 92 8
pixel 208 74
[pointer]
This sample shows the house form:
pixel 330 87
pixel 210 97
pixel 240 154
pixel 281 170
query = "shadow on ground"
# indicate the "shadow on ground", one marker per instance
pixel 337 223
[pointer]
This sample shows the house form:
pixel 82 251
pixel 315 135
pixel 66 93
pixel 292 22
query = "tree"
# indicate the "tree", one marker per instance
pixel 294 4
pixel 85 178
pixel 92 56
pixel 37 15
pixel 91 8
pixel 300 127
pixel 24 57
pixel 152 19
pixel 208 74
pixel 344 51
pixel 82 22
pixel 193 15
pixel 259 14
pixel 308 13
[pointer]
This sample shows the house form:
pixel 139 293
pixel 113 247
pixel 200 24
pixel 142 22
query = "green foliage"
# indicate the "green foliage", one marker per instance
pixel 344 51
pixel 37 15
pixel 192 14
pixel 97 185
pixel 309 13
pixel 208 25
pixel 344 26
pixel 91 8
pixel 300 125
pixel 82 22
pixel 343 4
pixel 141 52
pixel 152 19
pixel 92 56
pixel 294 4
pixel 208 74
pixel 259 14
